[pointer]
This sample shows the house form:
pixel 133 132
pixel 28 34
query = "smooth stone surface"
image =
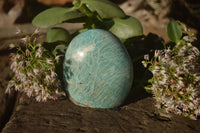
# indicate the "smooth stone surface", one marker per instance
pixel 98 71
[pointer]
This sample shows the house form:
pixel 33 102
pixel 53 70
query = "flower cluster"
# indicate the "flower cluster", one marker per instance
pixel 175 84
pixel 34 70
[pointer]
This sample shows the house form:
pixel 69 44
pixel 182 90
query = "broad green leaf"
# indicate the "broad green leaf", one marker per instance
pixel 56 15
pixel 105 8
pixel 58 34
pixel 174 31
pixel 60 49
pixel 126 28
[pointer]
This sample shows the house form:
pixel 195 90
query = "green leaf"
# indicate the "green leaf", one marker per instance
pixel 56 48
pixel 105 8
pixel 60 49
pixel 126 28
pixel 56 15
pixel 174 31
pixel 148 89
pixel 58 34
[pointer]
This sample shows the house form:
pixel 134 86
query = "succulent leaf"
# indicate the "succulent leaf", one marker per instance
pixel 104 8
pixel 54 16
pixel 126 28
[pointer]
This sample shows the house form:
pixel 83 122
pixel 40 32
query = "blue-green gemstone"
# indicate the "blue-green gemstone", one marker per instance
pixel 98 71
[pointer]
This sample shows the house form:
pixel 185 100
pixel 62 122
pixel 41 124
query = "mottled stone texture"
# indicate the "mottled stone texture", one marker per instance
pixel 98 70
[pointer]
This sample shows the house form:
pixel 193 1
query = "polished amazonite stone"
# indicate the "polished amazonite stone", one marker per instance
pixel 98 71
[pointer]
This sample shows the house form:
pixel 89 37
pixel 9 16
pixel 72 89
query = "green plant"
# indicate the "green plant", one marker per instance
pixel 175 84
pixel 101 14
pixel 34 69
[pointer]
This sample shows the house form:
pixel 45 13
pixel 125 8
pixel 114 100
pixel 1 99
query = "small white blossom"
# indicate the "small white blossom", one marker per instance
pixel 11 84
pixel 18 57
pixel 27 63
pixel 156 53
pixel 36 71
pixel 30 74
pixel 53 75
pixel 39 52
pixel 146 57
pixel 13 66
pixel 24 40
pixel 196 51
pixel 49 61
pixel 57 58
pixel 144 63
pixel 37 31
pixel 28 52
pixel 20 64
pixel 48 79
pixel 38 98
pixel 18 31
pixel 17 87
pixel 11 46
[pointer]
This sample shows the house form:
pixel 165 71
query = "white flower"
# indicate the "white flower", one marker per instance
pixel 22 77
pixel 156 53
pixel 173 64
pixel 38 98
pixel 13 66
pixel 8 90
pixel 49 61
pixel 53 75
pixel 44 99
pixel 17 87
pixel 30 74
pixel 29 92
pixel 39 52
pixel 18 57
pixel 60 93
pixel 197 111
pixel 165 80
pixel 18 31
pixel 36 71
pixel 36 86
pixel 27 52
pixel 20 64
pixel 144 63
pixel 168 50
pixel 11 84
pixel 48 79
pixel 180 84
pixel 186 38
pixel 36 31
pixel 24 40
pixel 27 63
pixel 181 52
pixel 43 92
pixel 38 55
pixel 57 58
pixel 162 72
pixel 146 57
pixel 57 84
pixel 193 117
pixel 196 51
pixel 11 46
